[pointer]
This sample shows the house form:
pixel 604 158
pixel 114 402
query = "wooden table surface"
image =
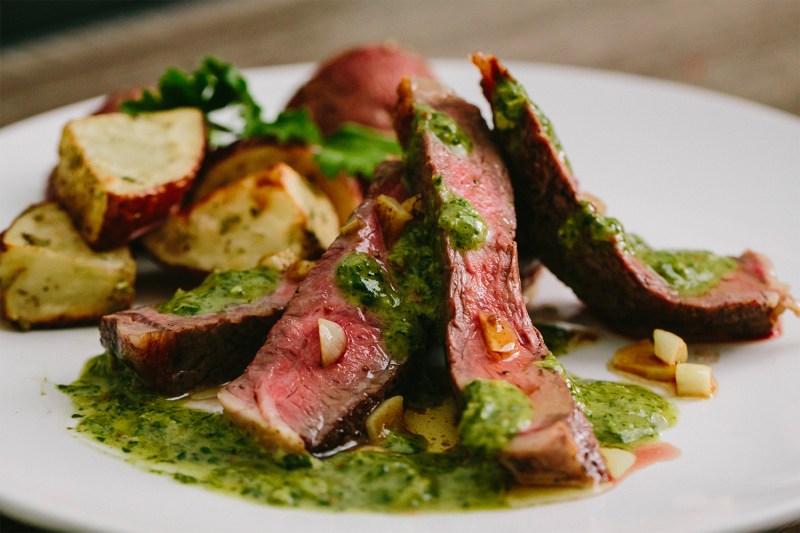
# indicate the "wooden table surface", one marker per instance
pixel 746 48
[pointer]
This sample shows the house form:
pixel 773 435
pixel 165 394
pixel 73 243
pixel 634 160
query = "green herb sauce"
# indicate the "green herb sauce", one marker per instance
pixel 690 272
pixel 459 219
pixel 200 448
pixel 494 412
pixel 443 127
pixel 406 297
pixel 622 415
pixel 463 223
pixel 197 447
pixel 365 280
pixel 221 290
pixel 510 101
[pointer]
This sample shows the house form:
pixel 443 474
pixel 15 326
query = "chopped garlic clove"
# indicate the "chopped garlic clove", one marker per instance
pixel 280 261
pixel 388 416
pixel 332 341
pixel 300 269
pixel 392 216
pixel 354 224
pixel 692 379
pixel 413 204
pixel 639 359
pixel 669 347
pixel 498 334
pixel 618 461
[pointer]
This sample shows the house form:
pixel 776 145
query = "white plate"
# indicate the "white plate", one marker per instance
pixel 680 166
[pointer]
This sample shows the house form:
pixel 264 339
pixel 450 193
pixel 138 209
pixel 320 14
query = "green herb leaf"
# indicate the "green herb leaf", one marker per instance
pixel 292 125
pixel 214 85
pixel 355 149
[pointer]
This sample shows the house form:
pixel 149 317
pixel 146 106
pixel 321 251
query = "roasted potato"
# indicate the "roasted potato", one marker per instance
pixel 237 224
pixel 118 175
pixel 359 85
pixel 50 277
pixel 252 155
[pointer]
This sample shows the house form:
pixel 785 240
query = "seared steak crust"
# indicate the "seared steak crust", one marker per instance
pixel 558 446
pixel 177 354
pixel 622 290
pixel 286 398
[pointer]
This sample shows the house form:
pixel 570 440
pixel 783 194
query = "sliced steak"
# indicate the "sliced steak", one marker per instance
pixel 489 334
pixel 287 398
pixel 618 276
pixel 175 354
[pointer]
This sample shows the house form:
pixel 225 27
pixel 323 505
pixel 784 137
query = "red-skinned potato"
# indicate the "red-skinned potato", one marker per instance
pixel 120 175
pixel 359 85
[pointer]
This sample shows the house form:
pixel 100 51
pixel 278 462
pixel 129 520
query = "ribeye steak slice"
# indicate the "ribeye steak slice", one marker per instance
pixel 632 287
pixel 494 352
pixel 288 398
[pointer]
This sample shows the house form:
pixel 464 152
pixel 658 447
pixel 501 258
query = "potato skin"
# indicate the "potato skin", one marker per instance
pixel 359 85
pixel 49 277
pixel 108 173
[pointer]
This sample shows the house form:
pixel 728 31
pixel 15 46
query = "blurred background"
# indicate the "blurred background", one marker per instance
pixel 57 52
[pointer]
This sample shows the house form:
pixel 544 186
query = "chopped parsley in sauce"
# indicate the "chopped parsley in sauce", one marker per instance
pixel 459 219
pixel 203 448
pixel 494 412
pixel 221 290
pixel 405 296
pixel 689 272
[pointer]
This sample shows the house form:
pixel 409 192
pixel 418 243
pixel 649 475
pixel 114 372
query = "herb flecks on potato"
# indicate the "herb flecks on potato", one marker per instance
pixel 119 175
pixel 50 277
pixel 239 223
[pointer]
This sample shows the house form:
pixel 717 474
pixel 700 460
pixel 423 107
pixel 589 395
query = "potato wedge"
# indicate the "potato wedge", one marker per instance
pixel 118 175
pixel 245 157
pixel 359 85
pixel 241 222
pixel 50 277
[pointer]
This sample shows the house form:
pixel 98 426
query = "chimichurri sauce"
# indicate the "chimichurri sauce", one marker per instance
pixel 560 340
pixel 689 272
pixel 405 296
pixel 443 127
pixel 197 447
pixel 510 100
pixel 495 411
pixel 622 415
pixel 222 289
pixel 459 219
pixel 203 448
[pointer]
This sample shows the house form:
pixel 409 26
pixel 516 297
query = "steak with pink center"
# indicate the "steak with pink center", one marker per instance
pixel 493 350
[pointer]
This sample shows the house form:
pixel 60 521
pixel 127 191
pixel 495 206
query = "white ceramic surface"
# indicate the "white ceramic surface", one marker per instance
pixel 679 166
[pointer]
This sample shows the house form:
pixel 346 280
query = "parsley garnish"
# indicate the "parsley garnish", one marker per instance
pixel 355 149
pixel 216 85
